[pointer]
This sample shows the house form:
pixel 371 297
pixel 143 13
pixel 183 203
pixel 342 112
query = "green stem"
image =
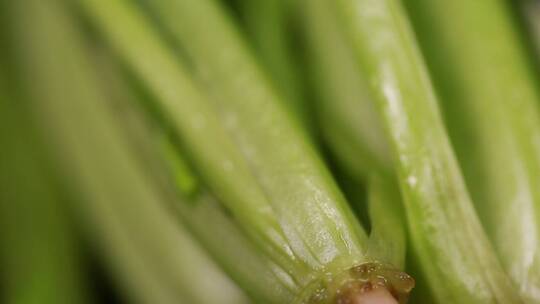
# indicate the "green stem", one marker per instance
pixel 354 131
pixel 490 101
pixel 454 251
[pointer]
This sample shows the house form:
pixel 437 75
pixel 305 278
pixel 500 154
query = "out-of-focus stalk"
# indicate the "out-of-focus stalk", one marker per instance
pixel 38 254
pixel 490 101
pixel 125 211
pixel 159 155
pixel 454 251
pixel 196 121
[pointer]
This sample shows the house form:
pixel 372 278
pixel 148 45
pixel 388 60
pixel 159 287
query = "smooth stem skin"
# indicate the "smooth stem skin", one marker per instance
pixel 267 24
pixel 264 171
pixel 354 131
pixel 159 156
pixel 38 256
pixel 350 123
pixel 490 99
pixel 124 211
pixel 352 127
pixel 454 251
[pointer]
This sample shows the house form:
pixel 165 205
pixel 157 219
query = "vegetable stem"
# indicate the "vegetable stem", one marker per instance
pixel 457 258
pixel 490 100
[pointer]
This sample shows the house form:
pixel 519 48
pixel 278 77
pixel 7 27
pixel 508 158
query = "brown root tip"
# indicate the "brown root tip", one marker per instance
pixel 376 296
pixel 368 283
pixel 366 293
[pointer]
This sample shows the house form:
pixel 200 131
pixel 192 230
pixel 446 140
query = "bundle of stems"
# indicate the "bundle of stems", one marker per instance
pixel 266 172
pixel 281 151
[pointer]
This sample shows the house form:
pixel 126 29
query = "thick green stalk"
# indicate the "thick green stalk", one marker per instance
pixel 454 251
pixel 490 100
pixel 265 171
pixel 123 208
pixel 352 127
